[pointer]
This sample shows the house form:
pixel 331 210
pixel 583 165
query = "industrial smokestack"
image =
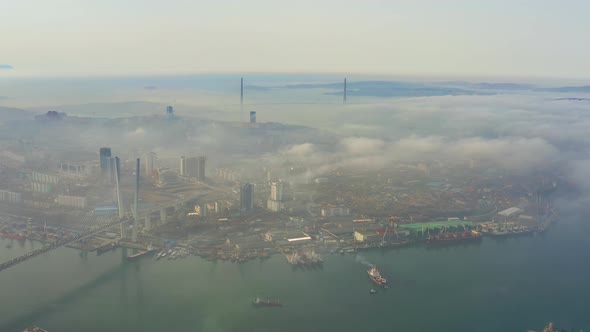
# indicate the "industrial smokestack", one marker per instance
pixel 241 99
pixel 344 95
pixel 135 216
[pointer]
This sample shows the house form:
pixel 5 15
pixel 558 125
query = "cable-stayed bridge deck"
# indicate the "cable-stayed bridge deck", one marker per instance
pixel 90 231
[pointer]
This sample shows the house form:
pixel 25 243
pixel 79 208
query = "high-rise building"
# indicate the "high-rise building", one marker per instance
pixel 276 191
pixel 151 163
pixel 169 110
pixel 246 197
pixel 201 168
pixel 182 166
pixel 105 154
pixel 275 203
pixel 252 117
pixel 193 167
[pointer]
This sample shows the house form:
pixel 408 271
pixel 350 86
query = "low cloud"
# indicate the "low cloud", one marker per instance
pixel 137 133
pixel 4 66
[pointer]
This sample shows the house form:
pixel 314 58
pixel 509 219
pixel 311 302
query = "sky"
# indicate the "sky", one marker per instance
pixel 511 38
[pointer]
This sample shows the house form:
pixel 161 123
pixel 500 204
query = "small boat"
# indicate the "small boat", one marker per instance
pixel 372 291
pixel 258 302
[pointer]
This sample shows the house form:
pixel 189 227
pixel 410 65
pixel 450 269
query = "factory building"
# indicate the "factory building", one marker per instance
pixel 367 236
pixel 509 213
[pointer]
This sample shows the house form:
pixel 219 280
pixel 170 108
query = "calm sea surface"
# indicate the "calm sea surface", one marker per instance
pixel 508 285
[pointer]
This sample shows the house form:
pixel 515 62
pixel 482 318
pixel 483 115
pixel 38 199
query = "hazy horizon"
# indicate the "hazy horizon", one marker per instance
pixel 433 38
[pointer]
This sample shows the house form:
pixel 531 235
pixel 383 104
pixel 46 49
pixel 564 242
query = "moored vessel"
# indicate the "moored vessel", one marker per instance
pixel 12 236
pixel 448 238
pixel 141 254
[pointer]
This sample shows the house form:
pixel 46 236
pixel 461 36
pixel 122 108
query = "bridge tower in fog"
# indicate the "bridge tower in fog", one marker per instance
pixel 118 188
pixel 344 92
pixel 241 99
pixel 135 212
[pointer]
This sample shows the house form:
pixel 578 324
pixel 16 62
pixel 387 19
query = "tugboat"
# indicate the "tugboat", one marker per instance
pixel 258 302
pixel 375 275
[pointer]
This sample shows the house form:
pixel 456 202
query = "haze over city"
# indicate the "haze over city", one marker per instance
pixel 425 37
pixel 337 165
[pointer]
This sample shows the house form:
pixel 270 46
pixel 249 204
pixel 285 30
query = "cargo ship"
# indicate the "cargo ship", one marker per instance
pixel 258 302
pixel 376 277
pixel 448 238
pixel 141 254
pixel 12 236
